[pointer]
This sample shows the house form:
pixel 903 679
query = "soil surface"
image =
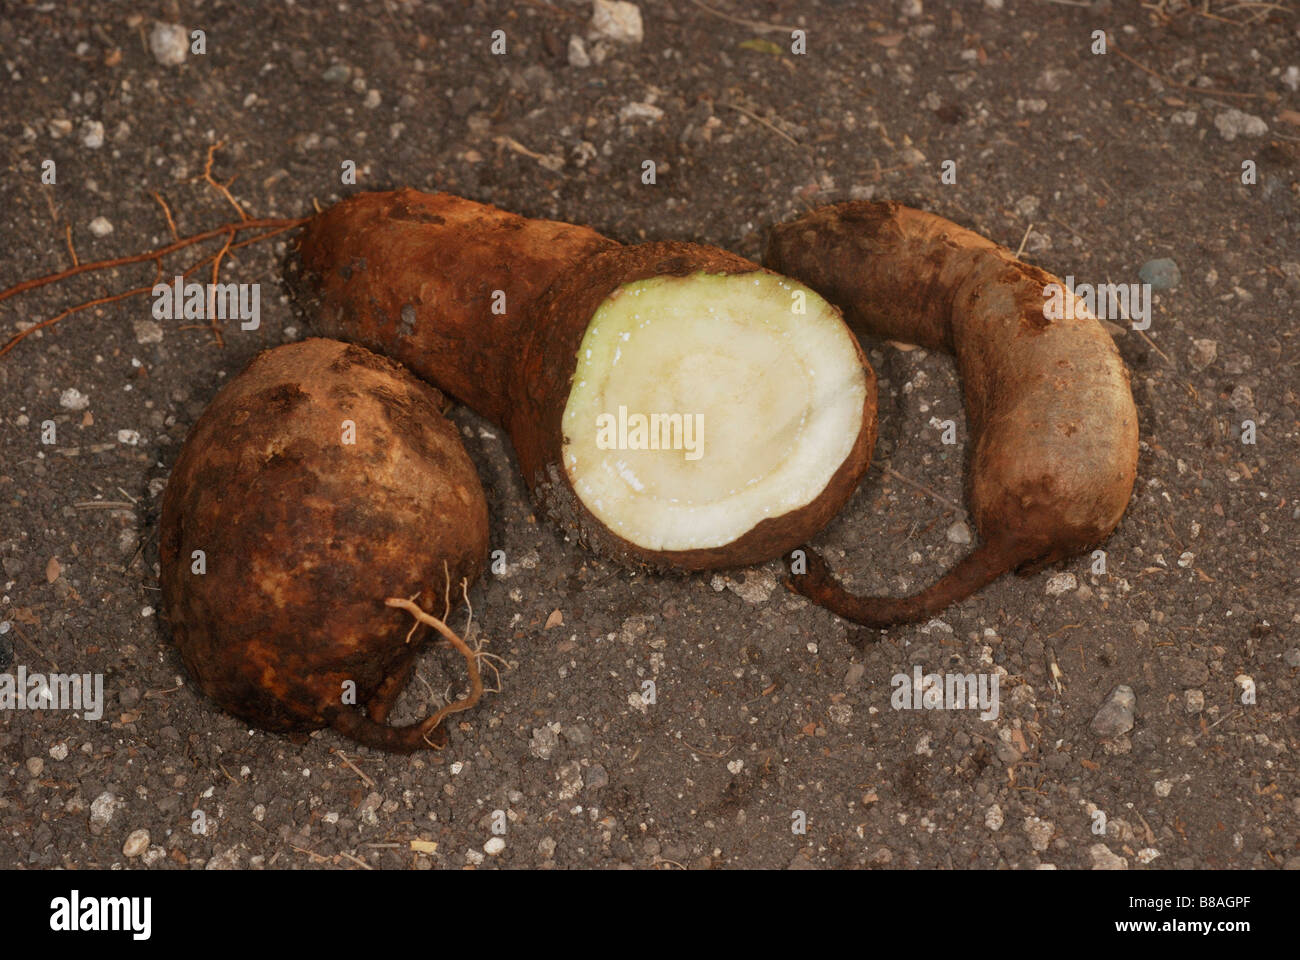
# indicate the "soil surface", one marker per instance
pixel 768 714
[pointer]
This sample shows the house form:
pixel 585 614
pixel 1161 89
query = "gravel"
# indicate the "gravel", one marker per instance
pixel 764 703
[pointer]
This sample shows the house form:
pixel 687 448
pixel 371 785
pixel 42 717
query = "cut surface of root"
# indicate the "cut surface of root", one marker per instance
pixel 703 404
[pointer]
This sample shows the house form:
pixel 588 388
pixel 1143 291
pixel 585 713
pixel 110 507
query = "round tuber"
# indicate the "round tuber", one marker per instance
pixel 319 484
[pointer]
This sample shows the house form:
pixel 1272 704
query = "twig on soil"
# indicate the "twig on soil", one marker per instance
pixel 1023 240
pixel 758 25
pixel 767 123
pixel 353 767
pixel 1152 343
pixel 961 511
pixel 551 8
pixel 316 857
pixel 1183 86
pixel 359 862
pixel 22 634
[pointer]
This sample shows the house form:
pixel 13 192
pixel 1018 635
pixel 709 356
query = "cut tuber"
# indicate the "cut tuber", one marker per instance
pixel 671 405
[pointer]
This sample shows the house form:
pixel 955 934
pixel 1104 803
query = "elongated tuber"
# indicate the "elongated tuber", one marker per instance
pixel 1048 402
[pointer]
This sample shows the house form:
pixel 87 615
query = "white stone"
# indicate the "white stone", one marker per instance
pixel 92 135
pixel 616 20
pixel 136 844
pixel 169 43
pixel 1062 583
pixel 1233 123
pixel 578 53
pixel 73 399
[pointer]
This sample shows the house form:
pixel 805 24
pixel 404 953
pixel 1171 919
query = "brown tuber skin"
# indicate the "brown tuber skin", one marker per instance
pixel 412 274
pixel 305 536
pixel 1048 402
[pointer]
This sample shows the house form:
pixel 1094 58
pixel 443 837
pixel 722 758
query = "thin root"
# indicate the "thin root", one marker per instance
pixel 471 664
pixel 279 226
pixel 281 223
pixel 212 294
pixel 224 190
pixel 171 224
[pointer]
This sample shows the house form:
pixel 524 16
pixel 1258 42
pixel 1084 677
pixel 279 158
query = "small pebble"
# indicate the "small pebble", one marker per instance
pixel 1116 715
pixel 959 532
pixel 35 766
pixel 994 818
pixel 169 43
pixel 92 135
pixel 1204 353
pixel 1103 859
pixel 1062 583
pixel 1162 274
pixel 639 111
pixel 1039 832
pixel 616 20
pixel 1233 123
pixel 136 843
pixel 578 53
pixel 73 399
pixel 494 846
pixel 102 809
pixel 597 777
pixel 147 331
pixel 100 227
